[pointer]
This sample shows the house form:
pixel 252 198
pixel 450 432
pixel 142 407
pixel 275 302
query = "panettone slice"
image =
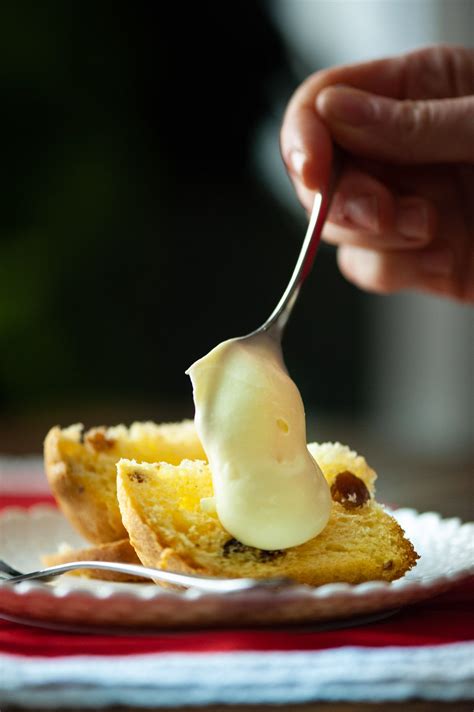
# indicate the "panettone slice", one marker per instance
pixel 81 469
pixel 168 513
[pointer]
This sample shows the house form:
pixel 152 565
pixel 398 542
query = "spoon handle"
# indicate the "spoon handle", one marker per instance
pixel 278 318
pixel 282 311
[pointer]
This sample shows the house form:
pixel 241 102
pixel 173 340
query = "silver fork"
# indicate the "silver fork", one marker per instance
pixel 202 583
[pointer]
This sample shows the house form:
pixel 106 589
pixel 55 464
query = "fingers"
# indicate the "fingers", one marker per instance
pixel 306 144
pixel 305 139
pixel 432 270
pixel 408 110
pixel 438 130
pixel 434 72
pixel 366 213
pixel 433 130
pixel 306 147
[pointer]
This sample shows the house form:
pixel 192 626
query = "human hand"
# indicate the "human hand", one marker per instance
pixel 403 212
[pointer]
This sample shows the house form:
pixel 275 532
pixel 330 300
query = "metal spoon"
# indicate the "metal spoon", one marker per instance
pixel 277 320
pixel 203 583
pixel 273 326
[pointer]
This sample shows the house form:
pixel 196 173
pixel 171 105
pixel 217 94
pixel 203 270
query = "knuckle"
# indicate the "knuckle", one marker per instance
pixel 413 118
pixel 413 123
pixel 458 63
pixel 441 70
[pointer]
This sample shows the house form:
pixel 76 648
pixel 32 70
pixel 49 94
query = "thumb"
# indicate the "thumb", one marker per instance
pixel 424 131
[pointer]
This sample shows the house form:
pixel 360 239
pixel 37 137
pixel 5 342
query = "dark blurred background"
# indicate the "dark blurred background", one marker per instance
pixel 136 230
pixel 146 216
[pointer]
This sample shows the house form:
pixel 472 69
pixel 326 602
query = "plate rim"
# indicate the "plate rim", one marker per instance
pixel 140 592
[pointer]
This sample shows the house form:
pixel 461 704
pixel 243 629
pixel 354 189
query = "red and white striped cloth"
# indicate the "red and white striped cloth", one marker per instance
pixel 425 651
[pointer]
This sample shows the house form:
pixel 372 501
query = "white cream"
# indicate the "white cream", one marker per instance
pixel 269 491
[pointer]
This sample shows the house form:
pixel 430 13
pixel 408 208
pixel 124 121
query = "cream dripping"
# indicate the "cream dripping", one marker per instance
pixel 269 491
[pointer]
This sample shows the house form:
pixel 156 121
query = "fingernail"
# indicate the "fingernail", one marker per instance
pixel 346 105
pixel 412 221
pixel 439 263
pixel 362 211
pixel 296 163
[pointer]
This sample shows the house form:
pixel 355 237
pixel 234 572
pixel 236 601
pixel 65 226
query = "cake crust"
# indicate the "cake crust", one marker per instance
pixel 121 552
pixel 135 511
pixel 84 491
pixel 359 544
pixel 80 468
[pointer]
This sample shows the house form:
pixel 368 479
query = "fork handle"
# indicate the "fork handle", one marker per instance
pixel 203 583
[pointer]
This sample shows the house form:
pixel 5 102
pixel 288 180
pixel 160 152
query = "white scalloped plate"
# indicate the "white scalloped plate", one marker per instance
pixel 446 557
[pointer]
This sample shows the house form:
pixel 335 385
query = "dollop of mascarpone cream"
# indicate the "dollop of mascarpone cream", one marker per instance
pixel 269 491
